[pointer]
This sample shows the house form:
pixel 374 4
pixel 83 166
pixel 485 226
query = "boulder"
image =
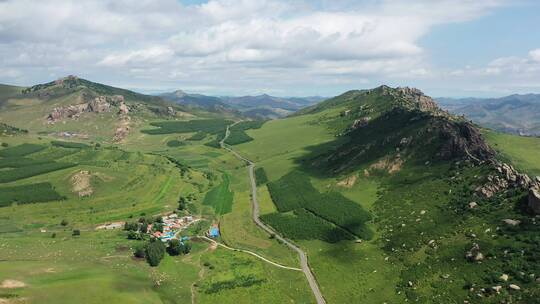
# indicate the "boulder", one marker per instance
pixel 123 109
pixel 504 277
pixel 99 105
pixel 474 254
pixel 514 287
pixel 511 222
pixel 534 200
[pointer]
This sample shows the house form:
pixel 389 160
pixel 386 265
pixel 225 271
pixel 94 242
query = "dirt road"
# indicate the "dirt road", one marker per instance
pixel 255 204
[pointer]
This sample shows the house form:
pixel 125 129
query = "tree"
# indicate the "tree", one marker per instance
pixel 140 251
pixel 131 226
pixel 155 251
pixel 157 227
pixel 176 247
pixel 5 145
pixel 76 232
pixel 182 203
pixel 64 222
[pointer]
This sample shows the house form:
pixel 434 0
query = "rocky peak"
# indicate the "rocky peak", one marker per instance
pixel 424 102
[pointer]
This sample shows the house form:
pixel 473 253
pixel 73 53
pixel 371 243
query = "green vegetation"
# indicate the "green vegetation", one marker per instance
pixel 238 131
pixel 154 252
pixel 220 197
pixel 19 162
pixel 21 150
pixel 25 194
pixel 304 225
pixel 197 136
pixel 260 176
pixel 208 126
pixel 294 191
pixel 29 171
pixel 7 130
pixel 69 144
pixel 174 143
pixel 521 151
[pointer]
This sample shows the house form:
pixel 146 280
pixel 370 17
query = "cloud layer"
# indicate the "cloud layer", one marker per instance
pixel 234 46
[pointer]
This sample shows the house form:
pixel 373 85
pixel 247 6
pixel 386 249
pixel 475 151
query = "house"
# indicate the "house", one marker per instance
pixel 214 232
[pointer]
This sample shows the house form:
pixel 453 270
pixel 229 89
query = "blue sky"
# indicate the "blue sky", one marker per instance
pixel 451 48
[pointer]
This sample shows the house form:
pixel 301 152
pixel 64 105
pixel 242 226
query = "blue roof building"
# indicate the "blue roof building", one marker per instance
pixel 214 232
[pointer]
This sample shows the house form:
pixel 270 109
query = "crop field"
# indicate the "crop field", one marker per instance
pixel 301 224
pixel 69 144
pixel 208 126
pixel 21 150
pixel 25 194
pixel 220 197
pixel 294 191
pixel 19 162
pixel 260 177
pixel 29 171
pixel 238 132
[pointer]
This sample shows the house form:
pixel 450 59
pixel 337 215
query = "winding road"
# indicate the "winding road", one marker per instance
pixel 255 203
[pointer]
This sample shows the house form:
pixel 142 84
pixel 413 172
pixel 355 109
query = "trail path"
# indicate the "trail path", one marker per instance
pixel 249 252
pixel 255 203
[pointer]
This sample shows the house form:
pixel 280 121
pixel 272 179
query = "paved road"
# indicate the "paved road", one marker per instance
pixel 255 203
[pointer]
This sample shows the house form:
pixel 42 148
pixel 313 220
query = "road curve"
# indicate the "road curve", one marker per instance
pixel 255 203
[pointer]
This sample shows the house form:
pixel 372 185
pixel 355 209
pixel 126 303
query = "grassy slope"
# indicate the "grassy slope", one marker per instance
pixel 522 151
pixel 418 204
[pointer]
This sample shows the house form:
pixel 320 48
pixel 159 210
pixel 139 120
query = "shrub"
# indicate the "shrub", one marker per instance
pixel 155 251
pixel 174 143
pixel 76 232
pixel 5 145
pixel 140 251
pixel 64 222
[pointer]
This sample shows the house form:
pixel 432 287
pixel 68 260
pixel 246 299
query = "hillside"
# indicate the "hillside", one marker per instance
pixel 516 114
pixel 441 217
pixel 72 107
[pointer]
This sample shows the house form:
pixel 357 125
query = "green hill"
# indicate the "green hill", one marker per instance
pixel 446 217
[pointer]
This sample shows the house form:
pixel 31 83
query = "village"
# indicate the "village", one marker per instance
pixel 171 225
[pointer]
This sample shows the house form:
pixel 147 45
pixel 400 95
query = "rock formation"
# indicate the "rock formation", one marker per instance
pixel 534 200
pixel 98 104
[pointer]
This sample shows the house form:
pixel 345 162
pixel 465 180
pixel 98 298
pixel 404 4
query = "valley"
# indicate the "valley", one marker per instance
pixel 377 196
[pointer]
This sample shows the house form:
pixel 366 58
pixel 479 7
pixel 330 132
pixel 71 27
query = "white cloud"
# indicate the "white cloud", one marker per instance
pixel 227 44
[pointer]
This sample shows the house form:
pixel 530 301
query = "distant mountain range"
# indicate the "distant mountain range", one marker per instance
pixel 518 114
pixel 261 106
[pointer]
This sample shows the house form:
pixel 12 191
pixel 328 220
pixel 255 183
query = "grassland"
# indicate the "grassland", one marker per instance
pixel 521 151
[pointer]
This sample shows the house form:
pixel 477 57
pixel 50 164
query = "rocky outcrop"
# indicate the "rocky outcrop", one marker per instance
pixel 508 177
pixel 534 200
pixel 100 104
pixel 360 123
pixel 462 139
pixel 423 102
pixel 123 109
pixel 171 111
